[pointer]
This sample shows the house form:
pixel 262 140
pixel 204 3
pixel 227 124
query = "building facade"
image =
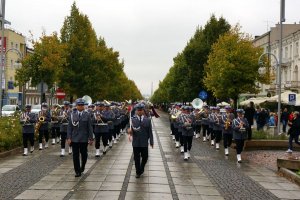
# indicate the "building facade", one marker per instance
pixel 290 57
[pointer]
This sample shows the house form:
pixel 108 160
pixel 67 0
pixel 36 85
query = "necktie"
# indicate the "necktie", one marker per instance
pixel 140 119
pixel 80 115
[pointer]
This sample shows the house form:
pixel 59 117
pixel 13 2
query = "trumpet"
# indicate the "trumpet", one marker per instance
pixel 25 119
pixel 98 118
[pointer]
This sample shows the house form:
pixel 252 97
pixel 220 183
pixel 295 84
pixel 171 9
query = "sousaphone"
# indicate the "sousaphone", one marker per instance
pixel 197 103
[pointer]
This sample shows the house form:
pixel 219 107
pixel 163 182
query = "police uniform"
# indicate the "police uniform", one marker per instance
pixel 110 121
pixel 27 119
pixel 227 130
pixel 116 123
pixel 217 127
pixel 141 136
pixel 80 133
pixel 55 125
pixel 44 128
pixel 187 120
pixel 205 122
pixel 64 118
pixel 240 125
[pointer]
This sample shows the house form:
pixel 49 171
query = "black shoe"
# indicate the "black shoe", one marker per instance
pixel 104 152
pixel 62 156
pixel 81 170
pixel 77 174
pixel 137 176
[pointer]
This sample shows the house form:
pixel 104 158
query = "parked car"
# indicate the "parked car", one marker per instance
pixel 36 109
pixel 9 110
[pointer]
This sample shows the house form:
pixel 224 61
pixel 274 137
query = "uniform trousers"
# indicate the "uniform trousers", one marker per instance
pixel 98 135
pixel 111 133
pixel 55 132
pixel 105 138
pixel 211 132
pixel 26 137
pixel 239 145
pixel 139 152
pixel 227 140
pixel 79 148
pixel 205 130
pixel 172 129
pixel 198 128
pixel 43 133
pixel 63 140
pixel 187 142
pixel 218 135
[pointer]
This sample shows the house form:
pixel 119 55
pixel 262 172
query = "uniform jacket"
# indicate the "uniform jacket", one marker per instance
pixel 110 116
pixel 204 118
pixel 239 134
pixel 64 121
pixel 100 126
pixel 217 122
pixel 230 118
pixel 141 131
pixel 45 124
pixel 187 124
pixel 28 127
pixel 80 128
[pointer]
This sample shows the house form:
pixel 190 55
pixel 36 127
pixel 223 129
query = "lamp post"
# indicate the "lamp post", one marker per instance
pixel 277 83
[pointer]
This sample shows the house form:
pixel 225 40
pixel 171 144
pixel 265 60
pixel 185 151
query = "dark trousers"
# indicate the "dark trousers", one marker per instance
pixel 249 130
pixel 187 141
pixel 291 138
pixel 239 146
pixel 63 140
pixel 205 130
pixel 212 133
pixel 111 133
pixel 26 137
pixel 105 138
pixel 55 132
pixel 218 135
pixel 43 133
pixel 97 140
pixel 227 140
pixel 173 129
pixel 176 133
pixel 79 148
pixel 180 136
pixel 284 124
pixel 139 152
pixel 197 128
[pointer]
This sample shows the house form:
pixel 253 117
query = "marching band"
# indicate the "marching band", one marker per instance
pixel 215 123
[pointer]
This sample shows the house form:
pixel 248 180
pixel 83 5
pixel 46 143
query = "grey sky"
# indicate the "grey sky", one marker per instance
pixel 148 34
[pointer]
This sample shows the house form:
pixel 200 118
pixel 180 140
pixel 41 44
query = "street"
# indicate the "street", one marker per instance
pixel 206 175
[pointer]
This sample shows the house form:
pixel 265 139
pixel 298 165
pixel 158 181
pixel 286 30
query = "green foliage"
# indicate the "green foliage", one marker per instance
pixel 44 64
pixel 10 133
pixel 232 66
pixel 185 77
pixel 298 172
pixel 262 135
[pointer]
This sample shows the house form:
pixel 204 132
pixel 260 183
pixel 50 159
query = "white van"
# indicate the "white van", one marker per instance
pixel 9 110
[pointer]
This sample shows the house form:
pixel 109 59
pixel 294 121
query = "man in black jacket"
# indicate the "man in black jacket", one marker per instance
pixel 249 115
pixel 294 131
pixel 141 133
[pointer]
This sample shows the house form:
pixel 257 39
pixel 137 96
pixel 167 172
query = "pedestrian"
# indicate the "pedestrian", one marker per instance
pixel 249 115
pixel 27 120
pixel 140 134
pixel 294 131
pixel 240 125
pixel 284 119
pixel 272 120
pixel 261 119
pixel 80 134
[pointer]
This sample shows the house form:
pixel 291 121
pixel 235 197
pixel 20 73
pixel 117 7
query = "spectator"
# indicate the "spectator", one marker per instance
pixel 249 115
pixel 294 131
pixel 284 119
pixel 272 120
pixel 261 119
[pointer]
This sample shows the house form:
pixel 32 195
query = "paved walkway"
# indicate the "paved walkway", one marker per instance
pixel 207 175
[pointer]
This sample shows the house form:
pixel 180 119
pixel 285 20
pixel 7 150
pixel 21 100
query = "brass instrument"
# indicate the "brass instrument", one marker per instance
pixel 227 122
pixel 98 118
pixel 65 120
pixel 25 119
pixel 55 114
pixel 41 120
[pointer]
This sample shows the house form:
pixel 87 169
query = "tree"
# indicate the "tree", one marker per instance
pixel 232 66
pixel 45 64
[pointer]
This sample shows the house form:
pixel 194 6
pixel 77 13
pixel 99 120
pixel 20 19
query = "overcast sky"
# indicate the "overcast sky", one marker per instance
pixel 148 33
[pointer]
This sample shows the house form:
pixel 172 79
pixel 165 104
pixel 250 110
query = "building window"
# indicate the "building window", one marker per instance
pixel 11 45
pixel 10 85
pixel 290 54
pixel 13 101
pixel 17 46
pixel 286 52
pixel 296 73
pixel 297 49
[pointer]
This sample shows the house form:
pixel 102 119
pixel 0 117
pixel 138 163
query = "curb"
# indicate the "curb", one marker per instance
pixel 290 174
pixel 11 152
pixel 267 145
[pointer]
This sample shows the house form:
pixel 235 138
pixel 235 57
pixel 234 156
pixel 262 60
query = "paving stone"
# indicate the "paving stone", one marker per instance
pixel 84 195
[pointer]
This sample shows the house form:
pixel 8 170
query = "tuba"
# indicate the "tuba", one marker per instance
pixel 197 103
pixel 87 99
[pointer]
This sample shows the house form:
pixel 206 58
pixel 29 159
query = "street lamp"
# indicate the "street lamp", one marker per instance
pixel 278 83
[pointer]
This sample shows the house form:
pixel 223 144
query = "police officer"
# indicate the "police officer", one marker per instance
pixel 55 125
pixel 140 133
pixel 110 121
pixel 44 118
pixel 27 120
pixel 100 127
pixel 217 127
pixel 80 134
pixel 227 131
pixel 240 126
pixel 187 130
pixel 64 118
pixel 205 122
pixel 103 129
